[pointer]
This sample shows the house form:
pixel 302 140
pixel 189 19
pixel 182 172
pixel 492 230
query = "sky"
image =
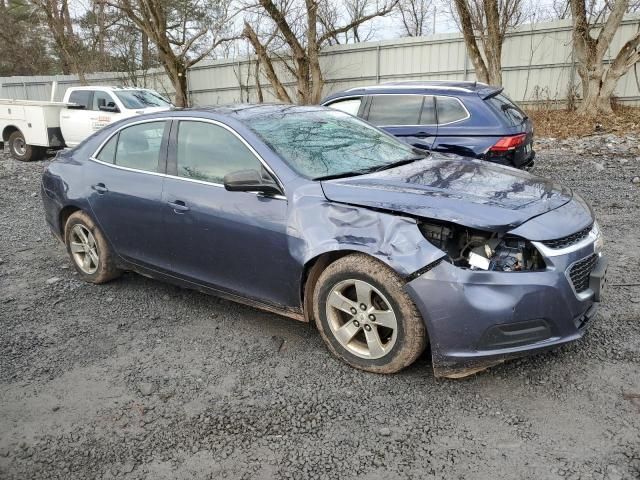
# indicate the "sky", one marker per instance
pixel 391 25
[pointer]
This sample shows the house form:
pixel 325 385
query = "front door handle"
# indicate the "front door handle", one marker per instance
pixel 178 206
pixel 100 188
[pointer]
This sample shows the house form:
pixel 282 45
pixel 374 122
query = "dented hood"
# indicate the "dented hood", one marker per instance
pixel 468 192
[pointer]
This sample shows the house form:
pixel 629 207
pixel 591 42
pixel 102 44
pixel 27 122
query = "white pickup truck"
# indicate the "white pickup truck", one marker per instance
pixel 29 128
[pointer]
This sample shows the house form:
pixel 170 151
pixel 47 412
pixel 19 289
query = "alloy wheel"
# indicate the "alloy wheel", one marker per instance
pixel 361 319
pixel 84 249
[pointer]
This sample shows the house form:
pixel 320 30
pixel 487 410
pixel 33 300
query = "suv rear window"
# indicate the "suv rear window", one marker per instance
pixel 511 112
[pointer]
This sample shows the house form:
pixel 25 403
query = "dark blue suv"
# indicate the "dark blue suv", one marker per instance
pixel 467 118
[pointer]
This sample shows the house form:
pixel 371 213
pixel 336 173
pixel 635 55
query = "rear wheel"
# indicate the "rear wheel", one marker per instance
pixel 88 249
pixel 21 151
pixel 365 317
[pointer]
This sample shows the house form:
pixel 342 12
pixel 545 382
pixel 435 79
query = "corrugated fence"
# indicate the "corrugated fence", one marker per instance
pixel 538 66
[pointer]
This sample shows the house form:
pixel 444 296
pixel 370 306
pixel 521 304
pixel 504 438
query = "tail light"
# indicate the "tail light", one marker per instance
pixel 509 143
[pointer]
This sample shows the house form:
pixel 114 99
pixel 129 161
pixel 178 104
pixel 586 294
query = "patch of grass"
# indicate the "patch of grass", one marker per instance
pixel 567 123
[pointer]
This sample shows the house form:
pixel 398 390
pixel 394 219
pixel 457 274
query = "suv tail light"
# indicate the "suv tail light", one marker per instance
pixel 509 143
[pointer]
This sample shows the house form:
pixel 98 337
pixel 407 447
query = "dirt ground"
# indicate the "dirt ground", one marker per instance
pixel 137 379
pixel 560 123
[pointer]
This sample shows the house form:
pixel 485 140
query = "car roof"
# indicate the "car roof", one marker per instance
pixel 435 87
pixel 247 111
pixel 106 87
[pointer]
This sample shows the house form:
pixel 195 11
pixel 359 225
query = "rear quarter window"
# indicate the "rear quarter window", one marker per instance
pixel 108 152
pixel 450 110
pixel 349 105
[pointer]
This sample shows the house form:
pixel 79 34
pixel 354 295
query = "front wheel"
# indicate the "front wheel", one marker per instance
pixel 365 316
pixel 89 250
pixel 21 151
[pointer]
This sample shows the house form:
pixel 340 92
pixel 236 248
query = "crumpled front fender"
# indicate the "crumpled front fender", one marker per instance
pixel 318 226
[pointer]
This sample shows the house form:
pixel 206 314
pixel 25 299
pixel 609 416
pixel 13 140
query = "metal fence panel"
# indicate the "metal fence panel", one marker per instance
pixel 537 67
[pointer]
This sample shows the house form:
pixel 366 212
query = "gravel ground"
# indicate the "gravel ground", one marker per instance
pixel 138 379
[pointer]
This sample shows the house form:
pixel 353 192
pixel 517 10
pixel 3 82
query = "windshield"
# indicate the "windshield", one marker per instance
pixel 141 99
pixel 329 143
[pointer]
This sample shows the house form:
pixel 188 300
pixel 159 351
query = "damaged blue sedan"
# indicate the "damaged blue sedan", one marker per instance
pixel 314 214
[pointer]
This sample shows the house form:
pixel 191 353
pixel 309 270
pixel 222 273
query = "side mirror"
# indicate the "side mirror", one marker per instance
pixel 250 181
pixel 109 108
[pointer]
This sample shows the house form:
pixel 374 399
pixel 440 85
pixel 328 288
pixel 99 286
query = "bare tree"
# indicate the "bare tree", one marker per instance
pixel 599 80
pixel 68 45
pixel 184 32
pixel 414 15
pixel 297 33
pixel 488 22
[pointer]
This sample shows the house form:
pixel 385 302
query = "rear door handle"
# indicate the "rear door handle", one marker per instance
pixel 100 188
pixel 178 206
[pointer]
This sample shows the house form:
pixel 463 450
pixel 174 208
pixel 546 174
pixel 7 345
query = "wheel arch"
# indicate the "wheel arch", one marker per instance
pixel 8 130
pixel 314 267
pixel 64 215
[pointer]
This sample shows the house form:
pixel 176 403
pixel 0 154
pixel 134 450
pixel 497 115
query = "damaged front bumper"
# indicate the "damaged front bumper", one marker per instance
pixel 476 319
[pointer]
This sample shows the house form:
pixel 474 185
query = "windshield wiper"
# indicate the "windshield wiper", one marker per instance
pixel 377 168
pixel 340 175
pixel 397 164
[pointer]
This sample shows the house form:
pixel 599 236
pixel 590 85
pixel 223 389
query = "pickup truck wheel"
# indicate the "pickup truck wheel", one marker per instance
pixel 89 250
pixel 365 316
pixel 21 151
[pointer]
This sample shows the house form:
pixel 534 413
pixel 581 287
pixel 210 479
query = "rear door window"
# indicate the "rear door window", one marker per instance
pixel 81 98
pixel 509 110
pixel 349 105
pixel 390 110
pixel 450 110
pixel 428 116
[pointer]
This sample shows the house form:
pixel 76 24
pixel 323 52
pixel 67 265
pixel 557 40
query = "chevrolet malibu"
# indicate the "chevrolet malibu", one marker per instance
pixel 314 214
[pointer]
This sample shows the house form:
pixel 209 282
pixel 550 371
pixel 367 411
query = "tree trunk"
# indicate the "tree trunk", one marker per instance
pixel 466 25
pixel 145 52
pixel 177 73
pixel 598 80
pixel 593 101
pixel 265 61
pixel 313 46
pixel 180 85
pixel 493 43
pixel 257 80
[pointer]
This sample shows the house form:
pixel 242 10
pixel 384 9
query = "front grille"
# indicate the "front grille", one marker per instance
pixel 569 239
pixel 580 271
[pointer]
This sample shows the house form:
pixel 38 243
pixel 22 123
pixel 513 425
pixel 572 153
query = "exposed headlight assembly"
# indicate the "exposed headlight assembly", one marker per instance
pixel 481 250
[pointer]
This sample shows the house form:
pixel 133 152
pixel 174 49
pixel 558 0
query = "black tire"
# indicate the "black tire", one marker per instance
pixel 105 268
pixel 410 332
pixel 21 151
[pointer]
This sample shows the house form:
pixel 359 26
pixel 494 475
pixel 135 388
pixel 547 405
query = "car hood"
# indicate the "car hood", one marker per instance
pixel 472 193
